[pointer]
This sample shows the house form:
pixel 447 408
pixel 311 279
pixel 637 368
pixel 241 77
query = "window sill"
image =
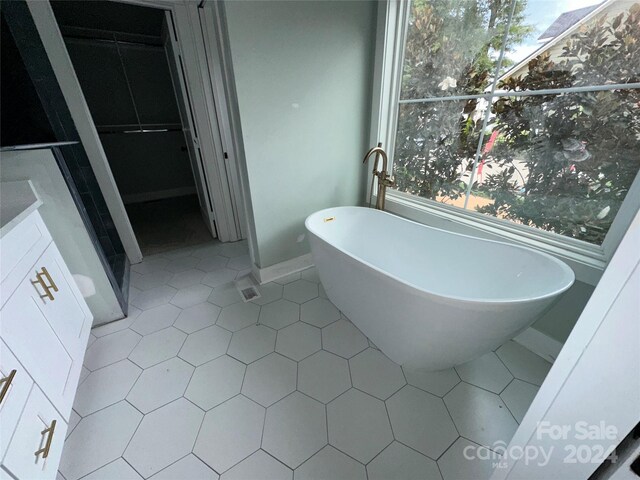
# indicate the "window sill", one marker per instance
pixel 587 261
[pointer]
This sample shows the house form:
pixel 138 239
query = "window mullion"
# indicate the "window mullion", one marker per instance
pixel 487 114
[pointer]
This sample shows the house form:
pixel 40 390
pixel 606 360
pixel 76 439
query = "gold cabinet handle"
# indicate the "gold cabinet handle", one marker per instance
pixel 6 383
pixel 40 279
pixel 47 445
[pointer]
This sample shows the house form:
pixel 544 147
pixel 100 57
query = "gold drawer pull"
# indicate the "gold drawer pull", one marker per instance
pixel 45 450
pixel 6 383
pixel 47 288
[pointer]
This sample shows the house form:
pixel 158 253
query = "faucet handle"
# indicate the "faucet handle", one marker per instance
pixel 388 181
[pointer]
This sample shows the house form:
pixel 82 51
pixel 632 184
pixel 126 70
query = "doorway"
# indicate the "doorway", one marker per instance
pixel 132 79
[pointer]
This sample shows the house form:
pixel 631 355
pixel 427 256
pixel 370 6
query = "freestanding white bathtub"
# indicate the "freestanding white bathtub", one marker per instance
pixel 429 298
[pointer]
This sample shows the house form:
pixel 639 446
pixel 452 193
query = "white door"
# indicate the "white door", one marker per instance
pixel 180 87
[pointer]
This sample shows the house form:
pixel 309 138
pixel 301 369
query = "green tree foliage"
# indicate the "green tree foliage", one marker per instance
pixel 562 163
pixel 581 151
pixel 457 40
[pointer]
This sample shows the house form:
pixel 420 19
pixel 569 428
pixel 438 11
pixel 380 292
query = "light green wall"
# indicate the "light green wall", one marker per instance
pixel 303 74
pixel 558 322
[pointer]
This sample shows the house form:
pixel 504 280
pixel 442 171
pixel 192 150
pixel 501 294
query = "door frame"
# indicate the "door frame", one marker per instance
pixel 593 382
pixel 229 221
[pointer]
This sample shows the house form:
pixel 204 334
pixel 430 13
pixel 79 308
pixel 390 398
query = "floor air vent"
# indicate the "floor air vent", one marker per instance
pixel 247 288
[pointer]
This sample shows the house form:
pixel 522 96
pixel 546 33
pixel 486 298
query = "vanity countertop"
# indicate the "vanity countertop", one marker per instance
pixel 17 201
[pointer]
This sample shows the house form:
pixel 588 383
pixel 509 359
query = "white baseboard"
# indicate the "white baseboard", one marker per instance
pixel 282 269
pixel 540 344
pixel 158 195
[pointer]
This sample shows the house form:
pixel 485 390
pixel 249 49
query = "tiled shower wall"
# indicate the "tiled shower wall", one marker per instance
pixel 79 174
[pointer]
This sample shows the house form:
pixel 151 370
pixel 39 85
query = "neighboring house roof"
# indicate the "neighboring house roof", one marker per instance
pixel 563 32
pixel 566 21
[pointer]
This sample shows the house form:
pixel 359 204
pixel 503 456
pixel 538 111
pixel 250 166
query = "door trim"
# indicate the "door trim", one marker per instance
pixel 208 109
pixel 229 222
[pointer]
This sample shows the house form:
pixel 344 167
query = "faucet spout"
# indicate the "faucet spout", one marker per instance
pixel 384 180
pixel 379 151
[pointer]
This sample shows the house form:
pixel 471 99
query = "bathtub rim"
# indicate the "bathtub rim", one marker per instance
pixel 491 301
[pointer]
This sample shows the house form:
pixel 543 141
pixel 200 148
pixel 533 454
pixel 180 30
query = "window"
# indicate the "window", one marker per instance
pixel 525 111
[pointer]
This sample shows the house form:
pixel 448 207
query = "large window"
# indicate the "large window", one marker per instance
pixel 528 111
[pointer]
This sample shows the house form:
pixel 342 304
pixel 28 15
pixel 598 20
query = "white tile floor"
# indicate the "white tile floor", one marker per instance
pixel 197 384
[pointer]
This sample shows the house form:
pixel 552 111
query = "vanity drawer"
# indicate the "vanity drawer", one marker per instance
pixel 20 248
pixel 14 391
pixel 36 446
pixel 46 327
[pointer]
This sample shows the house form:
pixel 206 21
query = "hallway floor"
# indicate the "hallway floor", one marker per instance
pixel 165 225
pixel 196 383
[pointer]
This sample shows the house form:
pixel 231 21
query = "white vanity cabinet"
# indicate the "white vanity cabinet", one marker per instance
pixel 44 329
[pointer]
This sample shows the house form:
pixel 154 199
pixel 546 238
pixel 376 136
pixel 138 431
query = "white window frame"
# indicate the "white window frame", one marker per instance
pixel 587 260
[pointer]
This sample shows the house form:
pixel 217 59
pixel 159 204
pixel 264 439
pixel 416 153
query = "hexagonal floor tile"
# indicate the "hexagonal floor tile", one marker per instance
pixel 374 373
pixel 323 376
pixel 84 451
pixel 480 416
pixel 153 297
pixel 225 295
pixel 164 436
pixel 160 385
pixel 300 291
pixel 234 249
pixel 215 381
pixel 523 364
pixel 518 397
pixel 212 263
pixel 197 317
pixel 219 277
pixel 279 314
pixel 270 379
pixel 157 347
pixel 151 263
pixel 74 419
pixel 401 463
pixel 155 319
pixel 238 316
pixel 182 264
pixel 110 349
pixel 421 421
pixel 269 292
pixel 242 262
pixel 310 274
pixel 105 387
pixel 358 425
pixel 330 463
pixel 190 296
pixel 150 280
pixel 319 312
pixel 207 250
pixel 258 465
pixel 438 383
pixel 298 341
pixel 486 372
pixel 116 469
pixel 186 279
pixel 117 325
pixel 466 460
pixel 189 467
pixel 177 253
pixel 230 432
pixel 295 428
pixel 343 338
pixel 205 345
pixel 84 373
pixel 252 343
